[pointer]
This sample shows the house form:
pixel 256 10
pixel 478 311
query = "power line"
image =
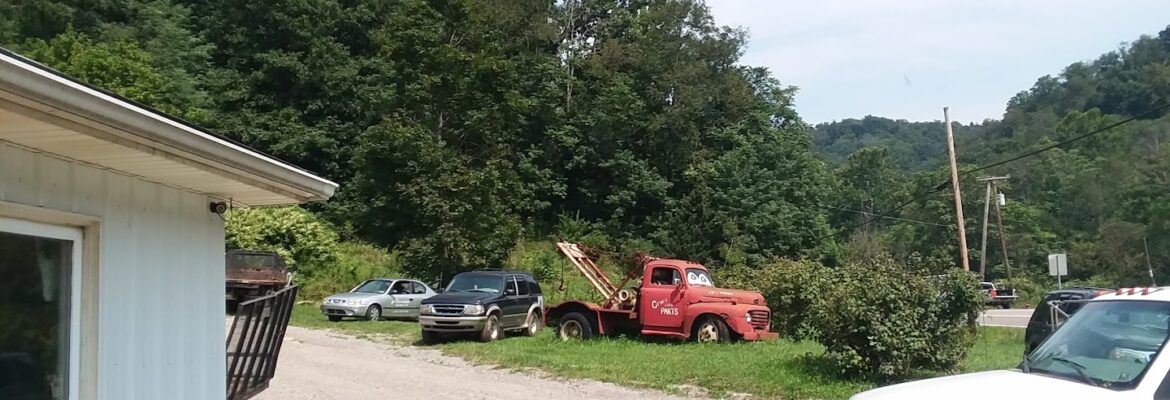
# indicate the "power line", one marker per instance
pixel 1053 146
pixel 943 185
pixel 888 217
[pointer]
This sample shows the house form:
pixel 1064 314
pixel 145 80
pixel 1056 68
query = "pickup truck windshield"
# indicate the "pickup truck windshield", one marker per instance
pixel 476 283
pixel 1107 343
pixel 698 277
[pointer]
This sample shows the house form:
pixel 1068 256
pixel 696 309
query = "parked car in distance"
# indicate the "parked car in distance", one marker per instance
pixel 1041 324
pixel 376 299
pixel 484 303
pixel 998 297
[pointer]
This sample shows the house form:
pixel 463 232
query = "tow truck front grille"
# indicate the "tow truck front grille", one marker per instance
pixel 759 319
pixel 448 309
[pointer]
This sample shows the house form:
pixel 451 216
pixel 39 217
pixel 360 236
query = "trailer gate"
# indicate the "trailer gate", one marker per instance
pixel 254 340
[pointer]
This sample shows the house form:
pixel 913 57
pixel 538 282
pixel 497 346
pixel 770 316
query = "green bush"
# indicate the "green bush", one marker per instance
pixel 356 262
pixel 880 321
pixel 789 287
pixel 306 244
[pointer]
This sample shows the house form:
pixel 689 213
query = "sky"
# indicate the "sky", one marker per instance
pixel 907 59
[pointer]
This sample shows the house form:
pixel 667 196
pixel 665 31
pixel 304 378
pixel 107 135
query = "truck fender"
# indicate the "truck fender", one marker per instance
pixel 724 311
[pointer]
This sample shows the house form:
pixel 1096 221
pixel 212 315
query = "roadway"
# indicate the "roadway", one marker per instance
pixel 1013 318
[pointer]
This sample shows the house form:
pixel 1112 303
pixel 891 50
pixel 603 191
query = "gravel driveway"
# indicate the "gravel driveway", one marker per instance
pixel 316 364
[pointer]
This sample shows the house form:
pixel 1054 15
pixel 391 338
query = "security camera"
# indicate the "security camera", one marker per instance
pixel 219 207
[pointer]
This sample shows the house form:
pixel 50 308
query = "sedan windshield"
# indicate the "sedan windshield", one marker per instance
pixel 1107 343
pixel 373 287
pixel 476 283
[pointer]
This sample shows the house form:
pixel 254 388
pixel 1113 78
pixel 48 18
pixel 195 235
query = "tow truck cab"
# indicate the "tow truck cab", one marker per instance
pixel 1109 349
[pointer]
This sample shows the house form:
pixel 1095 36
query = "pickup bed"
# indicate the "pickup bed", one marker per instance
pixel 999 297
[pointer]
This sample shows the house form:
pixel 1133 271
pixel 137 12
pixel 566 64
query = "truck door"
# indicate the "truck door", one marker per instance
pixel 663 305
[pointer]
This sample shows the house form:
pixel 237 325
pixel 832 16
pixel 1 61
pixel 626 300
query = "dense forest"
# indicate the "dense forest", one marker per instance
pixel 459 128
pixel 456 128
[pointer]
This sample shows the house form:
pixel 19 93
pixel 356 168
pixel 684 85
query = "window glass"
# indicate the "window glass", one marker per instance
pixel 1110 343
pixel 698 277
pixel 522 284
pixel 665 276
pixel 476 283
pixel 34 308
pixel 373 286
pixel 401 287
pixel 419 288
pixel 512 285
pixel 533 287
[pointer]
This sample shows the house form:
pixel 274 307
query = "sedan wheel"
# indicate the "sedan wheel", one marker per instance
pixel 374 313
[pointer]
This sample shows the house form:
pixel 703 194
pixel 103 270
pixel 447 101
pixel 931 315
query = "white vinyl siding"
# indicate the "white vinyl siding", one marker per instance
pixel 160 322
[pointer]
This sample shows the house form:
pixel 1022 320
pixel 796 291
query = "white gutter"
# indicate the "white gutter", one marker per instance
pixel 159 132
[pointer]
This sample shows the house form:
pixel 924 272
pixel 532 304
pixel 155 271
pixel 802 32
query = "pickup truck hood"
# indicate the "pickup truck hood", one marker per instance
pixel 460 298
pixel 713 294
pixel 1007 385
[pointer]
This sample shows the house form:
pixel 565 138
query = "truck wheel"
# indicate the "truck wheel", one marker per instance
pixel 374 313
pixel 1006 306
pixel 491 329
pixel 534 323
pixel 711 330
pixel 574 326
pixel 334 318
pixel 430 337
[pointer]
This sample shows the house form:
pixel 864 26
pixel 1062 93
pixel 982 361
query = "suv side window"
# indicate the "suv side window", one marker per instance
pixel 419 288
pixel 510 282
pixel 533 287
pixel 522 284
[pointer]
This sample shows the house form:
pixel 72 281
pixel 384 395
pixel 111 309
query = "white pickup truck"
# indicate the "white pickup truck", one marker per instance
pixel 1107 350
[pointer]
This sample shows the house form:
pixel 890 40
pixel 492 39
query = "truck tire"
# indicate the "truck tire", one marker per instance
pixel 711 330
pixel 575 326
pixel 491 328
pixel 534 323
pixel 1006 306
pixel 334 318
pixel 430 337
pixel 374 313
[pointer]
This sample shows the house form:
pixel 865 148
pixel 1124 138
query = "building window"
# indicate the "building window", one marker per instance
pixel 36 285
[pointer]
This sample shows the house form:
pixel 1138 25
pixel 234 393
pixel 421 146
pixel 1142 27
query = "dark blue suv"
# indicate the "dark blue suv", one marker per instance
pixel 484 303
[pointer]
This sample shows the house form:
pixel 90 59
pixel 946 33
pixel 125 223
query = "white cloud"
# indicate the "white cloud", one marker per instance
pixel 852 58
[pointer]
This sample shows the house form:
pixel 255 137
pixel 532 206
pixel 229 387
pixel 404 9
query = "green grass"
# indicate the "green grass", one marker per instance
pixel 776 369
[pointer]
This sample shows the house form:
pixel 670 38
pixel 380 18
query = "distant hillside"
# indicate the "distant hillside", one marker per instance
pixel 913 146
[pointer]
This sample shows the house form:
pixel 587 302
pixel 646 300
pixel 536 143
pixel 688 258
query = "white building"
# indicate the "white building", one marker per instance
pixel 111 262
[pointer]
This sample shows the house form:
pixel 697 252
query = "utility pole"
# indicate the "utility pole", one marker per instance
pixel 1002 237
pixel 986 208
pixel 1149 267
pixel 955 186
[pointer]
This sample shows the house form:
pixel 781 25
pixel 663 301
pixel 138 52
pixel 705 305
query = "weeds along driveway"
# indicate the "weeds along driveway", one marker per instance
pixel 318 364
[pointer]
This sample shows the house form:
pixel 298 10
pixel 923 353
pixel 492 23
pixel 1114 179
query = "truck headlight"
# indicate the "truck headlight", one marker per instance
pixel 425 309
pixel 473 310
pixel 747 317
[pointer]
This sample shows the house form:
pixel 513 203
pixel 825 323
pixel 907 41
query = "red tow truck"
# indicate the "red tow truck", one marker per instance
pixel 676 298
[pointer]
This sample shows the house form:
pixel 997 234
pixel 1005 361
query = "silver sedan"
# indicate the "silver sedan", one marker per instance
pixel 375 299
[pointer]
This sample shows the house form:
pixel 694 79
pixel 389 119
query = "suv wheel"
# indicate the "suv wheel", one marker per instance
pixel 374 313
pixel 574 326
pixel 711 330
pixel 534 323
pixel 491 329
